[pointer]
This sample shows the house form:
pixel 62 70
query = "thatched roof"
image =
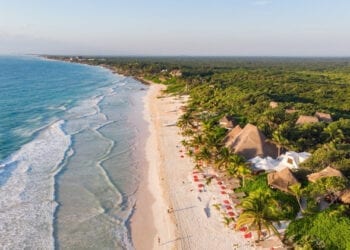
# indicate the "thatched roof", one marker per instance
pixel 232 135
pixel 176 73
pixel 345 196
pixel 303 119
pixel 250 142
pixel 327 172
pixel 324 117
pixel 227 122
pixel 282 179
pixel 273 105
pixel 291 111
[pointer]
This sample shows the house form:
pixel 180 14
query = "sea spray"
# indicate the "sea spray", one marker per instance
pixel 27 190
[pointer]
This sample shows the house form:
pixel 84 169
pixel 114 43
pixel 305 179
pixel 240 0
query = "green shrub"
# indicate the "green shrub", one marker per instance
pixel 330 228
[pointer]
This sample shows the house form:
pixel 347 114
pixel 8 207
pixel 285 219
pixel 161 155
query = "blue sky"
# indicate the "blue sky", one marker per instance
pixel 176 27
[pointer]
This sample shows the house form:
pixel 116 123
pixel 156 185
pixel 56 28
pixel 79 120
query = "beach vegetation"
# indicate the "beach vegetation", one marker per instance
pixel 260 210
pixel 244 88
pixel 329 229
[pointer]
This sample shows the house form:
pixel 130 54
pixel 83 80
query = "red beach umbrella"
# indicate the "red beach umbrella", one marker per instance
pixel 223 187
pixel 248 235
pixel 180 150
pixel 231 214
pixel 200 185
pixel 223 192
pixel 243 229
pixel 228 207
pixel 220 182
pixel 226 202
pixel 196 180
pixel 182 156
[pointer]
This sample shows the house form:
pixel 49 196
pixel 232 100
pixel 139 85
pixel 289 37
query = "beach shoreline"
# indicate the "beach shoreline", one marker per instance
pixel 152 196
pixel 181 215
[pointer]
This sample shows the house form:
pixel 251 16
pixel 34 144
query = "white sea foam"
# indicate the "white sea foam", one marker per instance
pixel 27 203
pixel 86 115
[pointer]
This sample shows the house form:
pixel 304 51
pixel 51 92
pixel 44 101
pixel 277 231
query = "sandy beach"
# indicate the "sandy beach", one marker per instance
pixel 175 213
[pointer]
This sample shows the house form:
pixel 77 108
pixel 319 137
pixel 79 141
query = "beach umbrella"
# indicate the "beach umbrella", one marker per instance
pixel 226 202
pixel 243 229
pixel 200 185
pixel 223 187
pixel 248 235
pixel 220 182
pixel 182 156
pixel 196 180
pixel 228 207
pixel 223 192
pixel 231 214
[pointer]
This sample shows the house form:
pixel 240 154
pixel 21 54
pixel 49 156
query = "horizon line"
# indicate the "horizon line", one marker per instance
pixel 195 56
pixel 179 55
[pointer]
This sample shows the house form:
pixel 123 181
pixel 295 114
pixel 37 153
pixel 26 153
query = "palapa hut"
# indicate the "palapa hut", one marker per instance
pixel 282 179
pixel 273 105
pixel 324 117
pixel 345 196
pixel 176 73
pixel 232 135
pixel 303 119
pixel 327 172
pixel 291 111
pixel 250 142
pixel 227 122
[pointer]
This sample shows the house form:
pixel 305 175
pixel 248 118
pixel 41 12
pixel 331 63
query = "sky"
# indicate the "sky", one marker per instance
pixel 176 27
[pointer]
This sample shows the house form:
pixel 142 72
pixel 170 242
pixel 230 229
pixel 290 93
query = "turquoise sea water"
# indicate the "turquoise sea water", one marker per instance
pixel 69 141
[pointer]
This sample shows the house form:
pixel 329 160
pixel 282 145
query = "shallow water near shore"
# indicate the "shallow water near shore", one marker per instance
pixel 69 159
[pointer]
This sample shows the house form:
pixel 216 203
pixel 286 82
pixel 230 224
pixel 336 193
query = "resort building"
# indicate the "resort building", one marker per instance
pixel 176 73
pixel 324 117
pixel 228 140
pixel 227 122
pixel 273 105
pixel 345 196
pixel 327 172
pixel 290 159
pixel 282 179
pixel 291 111
pixel 250 142
pixel 304 119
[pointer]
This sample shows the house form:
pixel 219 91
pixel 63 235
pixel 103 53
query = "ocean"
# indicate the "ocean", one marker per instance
pixel 71 139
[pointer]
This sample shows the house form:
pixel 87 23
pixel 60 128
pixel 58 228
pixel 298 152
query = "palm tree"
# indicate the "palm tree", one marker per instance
pixel 259 212
pixel 186 121
pixel 204 154
pixel 237 167
pixel 297 191
pixel 334 133
pixel 224 158
pixel 279 140
pixel 242 172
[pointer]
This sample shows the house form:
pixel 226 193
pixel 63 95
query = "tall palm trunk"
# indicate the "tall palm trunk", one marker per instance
pixel 259 231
